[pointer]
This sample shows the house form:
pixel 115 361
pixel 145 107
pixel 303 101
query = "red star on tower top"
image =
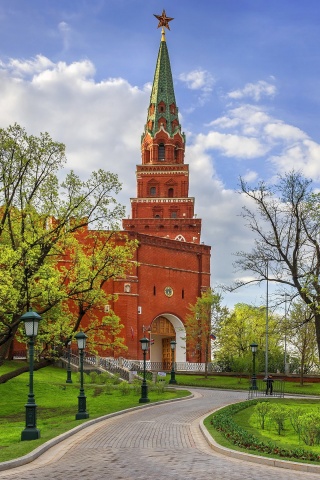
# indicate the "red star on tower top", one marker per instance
pixel 163 20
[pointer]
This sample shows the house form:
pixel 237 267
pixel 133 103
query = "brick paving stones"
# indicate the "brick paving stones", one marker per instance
pixel 155 442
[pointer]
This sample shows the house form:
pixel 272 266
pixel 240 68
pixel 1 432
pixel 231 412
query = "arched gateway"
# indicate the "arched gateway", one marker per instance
pixel 163 329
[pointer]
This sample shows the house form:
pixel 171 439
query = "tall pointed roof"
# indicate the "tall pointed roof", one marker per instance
pixel 163 109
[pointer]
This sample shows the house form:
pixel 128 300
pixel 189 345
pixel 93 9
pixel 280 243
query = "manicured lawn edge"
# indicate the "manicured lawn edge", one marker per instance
pixel 222 442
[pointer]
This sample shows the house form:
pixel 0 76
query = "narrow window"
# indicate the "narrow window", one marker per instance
pixel 170 193
pixel 161 152
pixel 182 293
pixel 154 290
pixel 153 191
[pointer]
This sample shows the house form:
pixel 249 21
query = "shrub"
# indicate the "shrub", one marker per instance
pixel 109 387
pixel 295 416
pixel 94 377
pixel 310 428
pixel 223 422
pixel 124 388
pixel 261 410
pixel 278 415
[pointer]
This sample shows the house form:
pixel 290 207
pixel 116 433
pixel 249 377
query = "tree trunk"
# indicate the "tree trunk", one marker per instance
pixel 301 370
pixel 5 349
pixel 15 373
pixel 317 324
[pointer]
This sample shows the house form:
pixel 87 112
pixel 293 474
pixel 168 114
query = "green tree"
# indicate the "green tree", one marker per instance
pixel 201 324
pixel 285 220
pixel 57 239
pixel 244 325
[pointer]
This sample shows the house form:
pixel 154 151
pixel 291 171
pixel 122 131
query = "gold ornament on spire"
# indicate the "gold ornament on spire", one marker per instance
pixel 163 20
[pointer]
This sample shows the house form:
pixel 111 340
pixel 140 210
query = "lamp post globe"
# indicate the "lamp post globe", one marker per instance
pixel 31 321
pixel 81 338
pixel 254 348
pixel 144 387
pixel 173 380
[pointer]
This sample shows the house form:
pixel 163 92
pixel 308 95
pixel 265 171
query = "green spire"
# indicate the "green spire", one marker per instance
pixel 162 99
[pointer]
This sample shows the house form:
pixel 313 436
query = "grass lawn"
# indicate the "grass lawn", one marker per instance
pixel 242 383
pixel 288 439
pixel 57 404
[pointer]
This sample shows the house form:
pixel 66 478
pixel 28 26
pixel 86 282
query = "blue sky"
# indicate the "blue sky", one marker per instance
pixel 246 75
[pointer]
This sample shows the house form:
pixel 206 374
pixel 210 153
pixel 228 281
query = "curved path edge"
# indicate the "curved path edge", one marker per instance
pixel 271 462
pixel 86 428
pixel 37 452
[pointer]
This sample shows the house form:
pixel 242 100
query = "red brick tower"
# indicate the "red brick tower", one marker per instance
pixel 162 206
pixel 172 266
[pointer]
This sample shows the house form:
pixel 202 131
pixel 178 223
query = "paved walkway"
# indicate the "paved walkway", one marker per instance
pixel 156 442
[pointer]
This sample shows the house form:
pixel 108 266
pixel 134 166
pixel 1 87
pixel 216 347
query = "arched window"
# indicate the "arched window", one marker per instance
pixel 170 192
pixel 161 152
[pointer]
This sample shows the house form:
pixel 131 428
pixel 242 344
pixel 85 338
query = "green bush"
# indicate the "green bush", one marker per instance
pixel 310 428
pixel 278 415
pixel 261 410
pixel 124 388
pixel 94 377
pixel 223 422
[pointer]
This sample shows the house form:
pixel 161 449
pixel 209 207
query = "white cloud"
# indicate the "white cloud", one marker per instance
pixel 21 68
pixel 198 80
pixel 247 119
pixel 303 156
pixel 233 145
pixel 288 133
pixel 101 124
pixel 254 90
pixel 250 176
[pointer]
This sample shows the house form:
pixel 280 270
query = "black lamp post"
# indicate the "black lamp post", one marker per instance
pixel 144 387
pixel 69 379
pixel 81 338
pixel 31 322
pixel 173 380
pixel 254 348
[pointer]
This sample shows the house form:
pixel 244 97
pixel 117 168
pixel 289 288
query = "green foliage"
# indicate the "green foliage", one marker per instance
pixel 201 323
pixel 310 428
pixel 44 259
pixel 261 410
pixel 278 415
pixel 238 330
pixel 124 388
pixel 295 417
pixel 223 421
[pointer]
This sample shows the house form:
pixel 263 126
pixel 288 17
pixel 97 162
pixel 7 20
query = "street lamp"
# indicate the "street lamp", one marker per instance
pixel 31 322
pixel 81 338
pixel 144 387
pixel 285 334
pixel 173 380
pixel 69 379
pixel 254 348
